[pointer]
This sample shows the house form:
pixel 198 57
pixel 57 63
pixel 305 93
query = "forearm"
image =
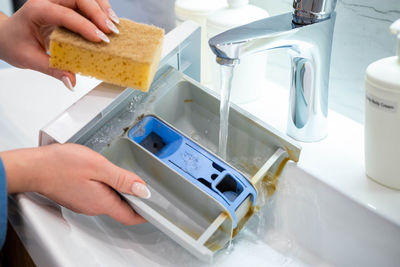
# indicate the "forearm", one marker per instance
pixel 3 18
pixel 20 167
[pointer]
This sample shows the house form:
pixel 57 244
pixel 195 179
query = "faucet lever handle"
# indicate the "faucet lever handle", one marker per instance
pixel 311 11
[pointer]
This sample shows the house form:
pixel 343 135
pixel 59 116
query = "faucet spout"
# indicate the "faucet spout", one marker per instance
pixel 233 44
pixel 308 37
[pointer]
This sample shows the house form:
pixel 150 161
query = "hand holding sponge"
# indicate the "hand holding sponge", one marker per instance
pixel 130 59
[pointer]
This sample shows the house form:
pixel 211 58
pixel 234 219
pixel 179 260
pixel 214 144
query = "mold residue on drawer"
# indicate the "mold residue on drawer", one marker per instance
pixel 265 189
pixel 140 117
pixel 125 130
pixel 293 154
pixel 270 180
pixel 141 126
pixel 213 246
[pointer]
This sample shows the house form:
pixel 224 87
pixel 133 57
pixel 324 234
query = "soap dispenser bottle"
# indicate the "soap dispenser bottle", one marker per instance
pixel 198 11
pixel 382 118
pixel 248 81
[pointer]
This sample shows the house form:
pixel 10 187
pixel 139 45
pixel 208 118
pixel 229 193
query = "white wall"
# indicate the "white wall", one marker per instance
pixel 158 12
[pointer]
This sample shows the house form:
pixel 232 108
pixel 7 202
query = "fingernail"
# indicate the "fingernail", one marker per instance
pixel 113 16
pixel 102 36
pixel 111 26
pixel 140 190
pixel 67 83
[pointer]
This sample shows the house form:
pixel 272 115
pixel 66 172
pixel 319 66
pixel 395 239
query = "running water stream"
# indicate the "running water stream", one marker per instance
pixel 226 84
pixel 268 185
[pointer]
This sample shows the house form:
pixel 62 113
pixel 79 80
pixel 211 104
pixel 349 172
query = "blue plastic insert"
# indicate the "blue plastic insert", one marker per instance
pixel 193 162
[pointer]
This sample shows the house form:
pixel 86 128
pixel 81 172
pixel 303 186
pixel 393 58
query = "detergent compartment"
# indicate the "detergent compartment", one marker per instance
pixel 193 162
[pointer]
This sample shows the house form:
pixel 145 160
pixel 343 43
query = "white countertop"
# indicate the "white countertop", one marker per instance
pixel 338 160
pixel 30 100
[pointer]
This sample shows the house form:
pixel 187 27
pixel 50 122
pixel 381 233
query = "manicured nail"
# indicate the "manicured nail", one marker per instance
pixel 113 16
pixel 140 190
pixel 111 26
pixel 67 83
pixel 102 36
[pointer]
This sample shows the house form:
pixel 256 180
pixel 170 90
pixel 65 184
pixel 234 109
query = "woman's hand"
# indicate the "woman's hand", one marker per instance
pixel 24 37
pixel 77 178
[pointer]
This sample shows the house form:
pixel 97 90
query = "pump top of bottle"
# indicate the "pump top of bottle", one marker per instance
pixel 395 29
pixel 237 13
pixel 186 9
pixel 384 73
pixel 237 3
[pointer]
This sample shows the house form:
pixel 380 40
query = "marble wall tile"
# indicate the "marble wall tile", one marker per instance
pixel 361 37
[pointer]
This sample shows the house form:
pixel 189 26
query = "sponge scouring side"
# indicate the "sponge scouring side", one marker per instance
pixel 130 59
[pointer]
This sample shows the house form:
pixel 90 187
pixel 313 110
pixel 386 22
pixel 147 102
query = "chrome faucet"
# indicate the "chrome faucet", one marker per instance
pixel 307 33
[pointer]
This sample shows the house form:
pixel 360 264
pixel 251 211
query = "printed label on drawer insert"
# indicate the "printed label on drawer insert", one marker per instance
pixel 383 104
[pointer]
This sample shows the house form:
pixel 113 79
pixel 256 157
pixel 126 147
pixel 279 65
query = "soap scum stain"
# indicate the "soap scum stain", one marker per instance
pixel 265 189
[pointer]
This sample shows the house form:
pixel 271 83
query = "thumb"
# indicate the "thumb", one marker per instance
pixel 126 182
pixel 124 213
pixel 39 61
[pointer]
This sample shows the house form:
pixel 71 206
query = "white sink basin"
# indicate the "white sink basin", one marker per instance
pixel 305 223
pixel 308 220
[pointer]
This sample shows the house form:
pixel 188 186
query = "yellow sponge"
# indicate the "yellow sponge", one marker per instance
pixel 130 59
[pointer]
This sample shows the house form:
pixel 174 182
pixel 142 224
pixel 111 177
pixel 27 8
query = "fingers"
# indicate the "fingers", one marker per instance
pixel 66 17
pixel 68 81
pixel 126 182
pixel 97 15
pixel 98 11
pixel 112 15
pixel 105 6
pixel 124 213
